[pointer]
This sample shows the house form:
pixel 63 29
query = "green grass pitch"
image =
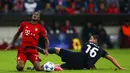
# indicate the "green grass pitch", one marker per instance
pixel 8 63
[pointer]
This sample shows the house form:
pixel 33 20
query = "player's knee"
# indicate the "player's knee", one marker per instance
pixel 19 67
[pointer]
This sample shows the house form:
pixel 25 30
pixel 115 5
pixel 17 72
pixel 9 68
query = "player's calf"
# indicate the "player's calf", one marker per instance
pixel 50 50
pixel 54 50
pixel 41 50
pixel 37 66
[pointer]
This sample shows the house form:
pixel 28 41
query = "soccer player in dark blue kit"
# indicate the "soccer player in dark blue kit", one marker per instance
pixel 85 59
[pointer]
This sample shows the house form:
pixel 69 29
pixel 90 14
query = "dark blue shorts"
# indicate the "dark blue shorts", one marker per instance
pixel 73 60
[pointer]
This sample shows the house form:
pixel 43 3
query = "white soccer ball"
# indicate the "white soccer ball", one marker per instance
pixel 48 66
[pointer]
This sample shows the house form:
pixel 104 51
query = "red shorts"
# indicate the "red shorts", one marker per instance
pixel 30 54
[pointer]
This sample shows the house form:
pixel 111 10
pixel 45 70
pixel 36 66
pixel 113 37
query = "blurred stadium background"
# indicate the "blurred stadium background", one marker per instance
pixel 69 23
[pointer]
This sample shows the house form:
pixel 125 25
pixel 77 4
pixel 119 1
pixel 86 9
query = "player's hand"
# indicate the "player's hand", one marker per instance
pixel 46 53
pixel 9 47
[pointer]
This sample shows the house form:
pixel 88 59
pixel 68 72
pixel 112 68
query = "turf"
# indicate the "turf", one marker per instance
pixel 8 63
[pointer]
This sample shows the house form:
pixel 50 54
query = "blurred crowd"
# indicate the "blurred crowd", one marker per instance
pixel 49 7
pixel 71 7
pixel 124 35
pixel 57 29
pixel 87 30
pixel 97 29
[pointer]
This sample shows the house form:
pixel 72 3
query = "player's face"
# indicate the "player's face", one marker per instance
pixel 36 16
pixel 92 40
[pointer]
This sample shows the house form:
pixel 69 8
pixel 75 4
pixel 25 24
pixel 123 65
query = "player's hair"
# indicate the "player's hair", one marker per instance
pixel 96 37
pixel 40 16
pixel 37 12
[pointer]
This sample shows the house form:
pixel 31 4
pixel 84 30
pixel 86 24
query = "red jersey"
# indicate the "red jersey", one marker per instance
pixel 31 33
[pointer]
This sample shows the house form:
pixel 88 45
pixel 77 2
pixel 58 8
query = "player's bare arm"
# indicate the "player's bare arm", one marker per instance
pixel 46 46
pixel 110 58
pixel 16 36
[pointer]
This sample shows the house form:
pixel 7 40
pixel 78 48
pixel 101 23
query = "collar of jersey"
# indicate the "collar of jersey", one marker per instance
pixel 94 44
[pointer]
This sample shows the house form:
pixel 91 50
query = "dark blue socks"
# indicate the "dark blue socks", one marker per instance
pixel 50 50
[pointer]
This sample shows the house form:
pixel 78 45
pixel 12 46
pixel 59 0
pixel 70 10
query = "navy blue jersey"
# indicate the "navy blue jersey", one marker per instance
pixel 92 53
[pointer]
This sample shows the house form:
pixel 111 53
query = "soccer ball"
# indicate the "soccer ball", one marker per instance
pixel 48 66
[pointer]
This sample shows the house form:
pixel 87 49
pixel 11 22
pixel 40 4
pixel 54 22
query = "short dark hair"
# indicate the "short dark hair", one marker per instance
pixel 37 12
pixel 96 37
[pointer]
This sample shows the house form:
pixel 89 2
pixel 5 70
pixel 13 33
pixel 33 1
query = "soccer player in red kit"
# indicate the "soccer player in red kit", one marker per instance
pixel 31 30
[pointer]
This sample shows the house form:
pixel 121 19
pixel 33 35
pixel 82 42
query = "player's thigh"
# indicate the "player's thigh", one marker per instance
pixel 21 59
pixel 73 59
pixel 65 66
pixel 35 60
pixel 34 57
pixel 67 55
pixel 37 66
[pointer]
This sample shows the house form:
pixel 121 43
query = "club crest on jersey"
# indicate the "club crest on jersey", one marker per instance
pixel 36 29
pixel 26 26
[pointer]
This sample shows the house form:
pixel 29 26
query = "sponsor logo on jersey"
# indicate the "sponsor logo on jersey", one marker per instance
pixel 36 29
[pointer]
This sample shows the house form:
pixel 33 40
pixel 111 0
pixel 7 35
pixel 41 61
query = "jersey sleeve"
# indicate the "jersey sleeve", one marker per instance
pixel 104 53
pixel 43 32
pixel 21 27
